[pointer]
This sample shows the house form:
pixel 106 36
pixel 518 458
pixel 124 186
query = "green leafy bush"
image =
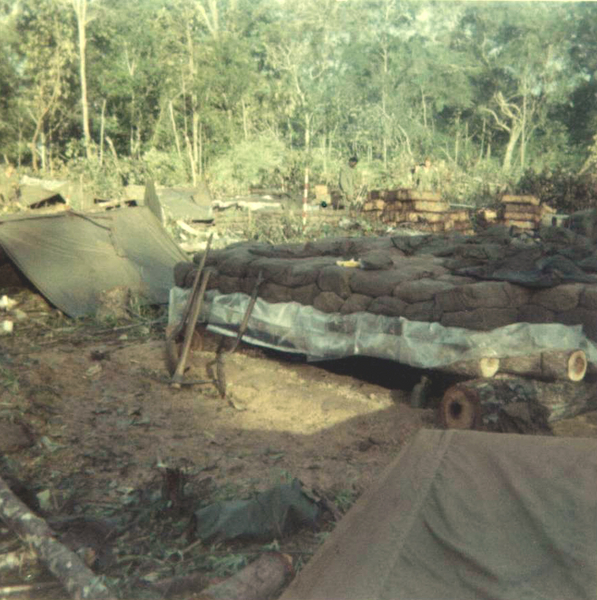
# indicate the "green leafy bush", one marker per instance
pixel 261 161
pixel 561 188
pixel 165 168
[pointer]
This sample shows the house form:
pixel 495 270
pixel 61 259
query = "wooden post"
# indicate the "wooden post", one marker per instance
pixel 305 197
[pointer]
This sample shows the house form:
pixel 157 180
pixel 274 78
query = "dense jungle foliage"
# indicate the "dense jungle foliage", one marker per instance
pixel 250 92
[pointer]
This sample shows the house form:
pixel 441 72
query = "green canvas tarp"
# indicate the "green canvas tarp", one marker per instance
pixel 463 515
pixel 72 257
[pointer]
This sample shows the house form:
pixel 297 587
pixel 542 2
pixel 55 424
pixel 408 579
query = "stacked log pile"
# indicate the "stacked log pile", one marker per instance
pixel 422 210
pixel 521 404
pixel 524 212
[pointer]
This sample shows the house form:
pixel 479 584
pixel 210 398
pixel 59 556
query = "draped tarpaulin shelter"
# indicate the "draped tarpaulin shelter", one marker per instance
pixel 73 257
pixel 463 515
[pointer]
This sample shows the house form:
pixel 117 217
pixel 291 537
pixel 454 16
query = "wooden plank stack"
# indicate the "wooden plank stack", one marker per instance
pixel 524 212
pixel 420 209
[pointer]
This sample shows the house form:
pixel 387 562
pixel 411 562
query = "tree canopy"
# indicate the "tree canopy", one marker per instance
pixel 182 88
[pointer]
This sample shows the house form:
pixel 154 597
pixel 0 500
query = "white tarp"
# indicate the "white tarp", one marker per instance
pixel 293 327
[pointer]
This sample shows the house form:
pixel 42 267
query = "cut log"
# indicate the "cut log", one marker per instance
pixel 374 205
pixel 521 224
pixel 391 195
pixel 263 578
pixel 425 195
pixel 555 365
pixel 459 216
pixel 484 367
pixel 64 564
pixel 520 199
pixel 522 216
pixel 516 209
pixel 430 217
pixel 514 404
pixel 488 214
pixel 431 206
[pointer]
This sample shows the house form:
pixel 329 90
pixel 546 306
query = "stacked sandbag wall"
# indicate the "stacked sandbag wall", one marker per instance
pixel 387 282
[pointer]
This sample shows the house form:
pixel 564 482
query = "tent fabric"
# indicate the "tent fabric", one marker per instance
pixel 466 515
pixel 73 257
pixel 189 204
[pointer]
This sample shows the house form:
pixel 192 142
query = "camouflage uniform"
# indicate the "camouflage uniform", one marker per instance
pixel 427 178
pixel 347 185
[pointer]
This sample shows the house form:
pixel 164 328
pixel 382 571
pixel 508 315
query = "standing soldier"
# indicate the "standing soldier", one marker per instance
pixel 346 182
pixel 427 177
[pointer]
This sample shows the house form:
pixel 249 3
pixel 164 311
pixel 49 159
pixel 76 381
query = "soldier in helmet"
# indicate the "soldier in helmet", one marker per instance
pixel 347 183
pixel 427 177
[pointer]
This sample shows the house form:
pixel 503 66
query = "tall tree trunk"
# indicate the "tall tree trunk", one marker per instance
pixel 80 7
pixel 245 121
pixel 174 129
pixel 192 146
pixel 523 135
pixel 195 140
pixel 44 161
pixel 308 133
pixel 102 132
pixel 201 150
pixel 515 133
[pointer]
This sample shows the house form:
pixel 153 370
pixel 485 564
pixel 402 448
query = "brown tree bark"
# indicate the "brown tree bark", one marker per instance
pixel 484 367
pixel 260 580
pixel 514 404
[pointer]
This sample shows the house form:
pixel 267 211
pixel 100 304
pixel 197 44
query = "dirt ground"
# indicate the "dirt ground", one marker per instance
pixel 89 421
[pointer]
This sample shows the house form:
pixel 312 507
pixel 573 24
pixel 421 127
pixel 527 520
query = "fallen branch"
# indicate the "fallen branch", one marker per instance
pixel 28 590
pixel 177 586
pixel 262 579
pixel 65 565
